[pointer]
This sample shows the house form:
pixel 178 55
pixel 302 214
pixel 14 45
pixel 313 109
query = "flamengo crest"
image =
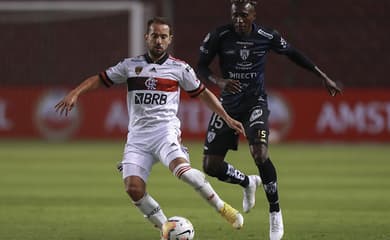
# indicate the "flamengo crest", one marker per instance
pixel 151 83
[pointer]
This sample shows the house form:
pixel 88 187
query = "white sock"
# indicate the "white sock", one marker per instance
pixel 151 210
pixel 197 180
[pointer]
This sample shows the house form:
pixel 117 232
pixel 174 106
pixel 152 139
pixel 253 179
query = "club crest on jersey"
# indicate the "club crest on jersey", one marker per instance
pixel 283 42
pixel 210 136
pixel 151 83
pixel 138 70
pixel 244 53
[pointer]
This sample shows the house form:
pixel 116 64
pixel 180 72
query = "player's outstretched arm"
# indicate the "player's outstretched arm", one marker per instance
pixel 303 61
pixel 67 103
pixel 213 103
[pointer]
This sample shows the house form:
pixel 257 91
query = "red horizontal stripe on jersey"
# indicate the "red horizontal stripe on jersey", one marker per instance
pixel 152 84
pixel 197 91
pixel 167 85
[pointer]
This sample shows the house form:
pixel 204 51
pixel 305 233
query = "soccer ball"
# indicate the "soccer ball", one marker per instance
pixel 177 228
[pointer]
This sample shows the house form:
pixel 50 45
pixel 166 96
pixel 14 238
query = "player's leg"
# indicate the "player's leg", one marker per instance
pixel 220 138
pixel 215 166
pixel 175 157
pixel 182 169
pixel 135 167
pixel 257 134
pixel 268 175
pixel 135 187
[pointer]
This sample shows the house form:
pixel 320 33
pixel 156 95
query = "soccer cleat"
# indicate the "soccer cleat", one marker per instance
pixel 165 229
pixel 249 199
pixel 276 225
pixel 232 216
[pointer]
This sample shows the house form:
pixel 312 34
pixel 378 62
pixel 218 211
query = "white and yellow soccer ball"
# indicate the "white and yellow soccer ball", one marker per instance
pixel 177 228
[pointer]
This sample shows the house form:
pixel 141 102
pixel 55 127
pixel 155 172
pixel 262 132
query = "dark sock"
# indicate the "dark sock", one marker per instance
pixel 231 175
pixel 269 178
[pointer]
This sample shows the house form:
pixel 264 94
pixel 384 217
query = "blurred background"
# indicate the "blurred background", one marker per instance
pixel 58 178
pixel 48 47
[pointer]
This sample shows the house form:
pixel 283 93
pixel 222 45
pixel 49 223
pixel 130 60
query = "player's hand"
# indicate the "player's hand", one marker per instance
pixel 236 125
pixel 229 85
pixel 332 87
pixel 66 104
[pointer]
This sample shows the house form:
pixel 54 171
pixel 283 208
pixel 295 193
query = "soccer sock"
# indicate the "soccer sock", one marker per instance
pixel 228 173
pixel 197 180
pixel 151 210
pixel 235 176
pixel 268 176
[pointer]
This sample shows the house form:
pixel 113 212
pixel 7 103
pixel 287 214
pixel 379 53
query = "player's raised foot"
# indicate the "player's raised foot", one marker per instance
pixel 276 225
pixel 249 199
pixel 232 216
pixel 165 228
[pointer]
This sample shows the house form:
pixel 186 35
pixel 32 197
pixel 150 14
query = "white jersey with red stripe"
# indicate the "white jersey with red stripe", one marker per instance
pixel 153 94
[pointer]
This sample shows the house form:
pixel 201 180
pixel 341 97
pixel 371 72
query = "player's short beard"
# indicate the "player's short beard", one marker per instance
pixel 156 54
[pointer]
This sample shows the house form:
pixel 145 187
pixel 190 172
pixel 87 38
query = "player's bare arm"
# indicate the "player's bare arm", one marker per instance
pixel 69 101
pixel 213 103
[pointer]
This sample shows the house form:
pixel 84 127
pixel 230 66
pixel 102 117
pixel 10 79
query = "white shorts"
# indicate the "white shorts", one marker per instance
pixel 142 151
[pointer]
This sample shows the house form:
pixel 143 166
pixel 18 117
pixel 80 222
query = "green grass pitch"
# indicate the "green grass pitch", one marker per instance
pixel 72 191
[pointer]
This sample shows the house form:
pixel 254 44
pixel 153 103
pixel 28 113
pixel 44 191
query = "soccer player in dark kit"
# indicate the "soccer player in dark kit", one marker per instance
pixel 242 47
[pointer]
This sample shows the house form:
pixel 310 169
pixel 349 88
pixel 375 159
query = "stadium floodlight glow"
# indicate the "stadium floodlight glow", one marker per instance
pixel 135 10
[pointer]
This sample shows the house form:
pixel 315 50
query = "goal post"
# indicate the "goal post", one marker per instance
pixel 137 12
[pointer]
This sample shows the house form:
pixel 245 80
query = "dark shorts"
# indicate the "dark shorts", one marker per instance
pixel 220 137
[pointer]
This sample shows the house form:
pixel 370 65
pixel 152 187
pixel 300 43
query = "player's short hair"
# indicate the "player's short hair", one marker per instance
pixel 252 2
pixel 159 20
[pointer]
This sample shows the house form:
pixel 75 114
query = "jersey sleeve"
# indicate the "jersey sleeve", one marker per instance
pixel 190 82
pixel 208 51
pixel 278 43
pixel 115 75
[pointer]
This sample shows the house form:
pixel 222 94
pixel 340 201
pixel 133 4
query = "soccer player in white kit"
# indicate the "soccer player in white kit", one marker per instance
pixel 154 81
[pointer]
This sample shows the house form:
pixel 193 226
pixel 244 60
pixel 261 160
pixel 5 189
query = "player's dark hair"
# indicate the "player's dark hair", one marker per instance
pixel 159 20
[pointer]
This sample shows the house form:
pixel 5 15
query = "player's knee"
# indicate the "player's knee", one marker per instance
pixel 210 167
pixel 215 168
pixel 135 192
pixel 259 154
pixel 207 168
pixel 260 157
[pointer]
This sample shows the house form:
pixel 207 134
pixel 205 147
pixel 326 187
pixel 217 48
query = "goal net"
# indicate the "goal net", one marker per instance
pixel 61 42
